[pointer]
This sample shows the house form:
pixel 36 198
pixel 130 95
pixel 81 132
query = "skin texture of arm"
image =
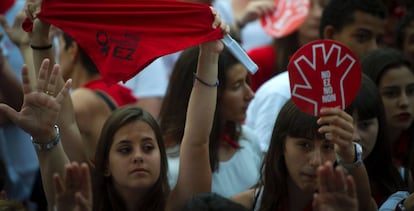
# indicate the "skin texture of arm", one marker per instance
pixel 194 173
pixel 37 117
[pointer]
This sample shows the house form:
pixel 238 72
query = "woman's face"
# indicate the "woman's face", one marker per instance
pixel 396 87
pixel 366 133
pixel 236 95
pixel 134 158
pixel 303 156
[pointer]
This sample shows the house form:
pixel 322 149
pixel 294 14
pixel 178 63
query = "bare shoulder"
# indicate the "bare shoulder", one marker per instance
pixel 245 198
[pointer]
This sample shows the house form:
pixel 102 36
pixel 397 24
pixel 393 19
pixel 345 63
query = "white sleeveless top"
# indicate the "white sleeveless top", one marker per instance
pixel 236 175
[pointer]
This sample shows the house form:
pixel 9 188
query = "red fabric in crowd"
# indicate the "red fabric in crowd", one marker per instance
pixel 119 93
pixel 124 36
pixel 5 5
pixel 265 58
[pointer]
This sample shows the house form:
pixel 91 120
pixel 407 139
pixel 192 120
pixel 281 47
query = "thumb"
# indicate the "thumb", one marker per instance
pixel 4 23
pixel 9 112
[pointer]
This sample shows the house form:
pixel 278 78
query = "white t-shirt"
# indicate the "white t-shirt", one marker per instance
pixel 153 80
pixel 236 175
pixel 265 106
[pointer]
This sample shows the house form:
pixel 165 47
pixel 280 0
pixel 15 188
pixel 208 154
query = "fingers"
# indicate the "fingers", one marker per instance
pixel 86 186
pixel 51 86
pixel 58 184
pixel 42 78
pixel 325 175
pixel 72 176
pixel 27 88
pixel 4 23
pixel 337 125
pixel 64 92
pixel 351 186
pixel 339 180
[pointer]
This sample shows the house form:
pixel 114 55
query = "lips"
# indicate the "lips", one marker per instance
pixel 138 170
pixel 404 116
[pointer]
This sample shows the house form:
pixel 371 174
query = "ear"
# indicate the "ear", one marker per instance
pixel 73 50
pixel 328 32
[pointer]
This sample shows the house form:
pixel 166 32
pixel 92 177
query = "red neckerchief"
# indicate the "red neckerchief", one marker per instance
pixel 226 138
pixel 5 5
pixel 401 150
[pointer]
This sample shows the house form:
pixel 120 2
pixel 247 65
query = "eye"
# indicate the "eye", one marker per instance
pixel 329 146
pixel 362 37
pixel 305 145
pixel 148 148
pixel 364 125
pixel 124 149
pixel 410 90
pixel 390 93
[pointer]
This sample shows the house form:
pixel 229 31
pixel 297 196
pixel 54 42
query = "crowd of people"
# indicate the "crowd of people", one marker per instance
pixel 195 130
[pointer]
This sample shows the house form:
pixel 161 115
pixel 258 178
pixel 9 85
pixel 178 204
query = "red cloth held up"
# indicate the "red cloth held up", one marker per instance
pixel 124 36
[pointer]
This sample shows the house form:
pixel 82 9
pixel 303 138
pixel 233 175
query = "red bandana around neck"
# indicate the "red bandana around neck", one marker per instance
pixel 124 36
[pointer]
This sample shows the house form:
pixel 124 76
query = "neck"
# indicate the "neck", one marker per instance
pixel 80 76
pixel 300 198
pixel 131 198
pixel 394 134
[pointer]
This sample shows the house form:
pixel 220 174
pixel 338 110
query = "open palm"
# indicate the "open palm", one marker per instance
pixel 41 105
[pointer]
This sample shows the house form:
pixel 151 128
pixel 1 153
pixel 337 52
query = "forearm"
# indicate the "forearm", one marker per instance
pixel 202 103
pixel 51 162
pixel 27 55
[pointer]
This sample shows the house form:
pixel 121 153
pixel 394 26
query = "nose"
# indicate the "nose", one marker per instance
pixel 355 136
pixel 403 100
pixel 137 156
pixel 316 158
pixel 248 93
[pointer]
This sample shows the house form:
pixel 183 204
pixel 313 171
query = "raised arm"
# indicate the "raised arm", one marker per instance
pixel 338 127
pixel 40 43
pixel 38 118
pixel 194 173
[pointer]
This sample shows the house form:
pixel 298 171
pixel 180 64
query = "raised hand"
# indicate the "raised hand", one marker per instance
pixel 74 193
pixel 15 32
pixel 336 191
pixel 338 127
pixel 41 105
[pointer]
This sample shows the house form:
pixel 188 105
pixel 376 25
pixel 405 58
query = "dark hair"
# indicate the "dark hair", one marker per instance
pixel 211 202
pixel 291 122
pixel 378 61
pixel 103 190
pixel 340 13
pixel 175 103
pixel 399 34
pixel 285 47
pixel 86 61
pixel 383 176
pixel 375 64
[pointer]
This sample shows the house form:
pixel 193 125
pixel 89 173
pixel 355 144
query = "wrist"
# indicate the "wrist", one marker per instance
pixel 355 162
pixel 49 143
